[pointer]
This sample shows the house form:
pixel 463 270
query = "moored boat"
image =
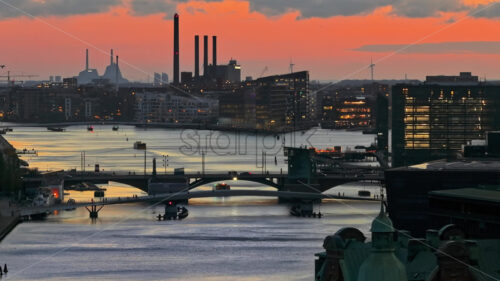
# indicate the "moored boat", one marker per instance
pixel 221 186
pixel 55 129
pixel 139 145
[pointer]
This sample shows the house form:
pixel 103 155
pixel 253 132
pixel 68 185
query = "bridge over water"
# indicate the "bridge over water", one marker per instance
pixel 182 196
pixel 280 181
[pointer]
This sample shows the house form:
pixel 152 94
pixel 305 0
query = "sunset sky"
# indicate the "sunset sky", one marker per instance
pixel 333 39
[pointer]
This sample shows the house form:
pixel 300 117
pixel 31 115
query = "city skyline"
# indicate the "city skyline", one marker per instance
pixel 334 45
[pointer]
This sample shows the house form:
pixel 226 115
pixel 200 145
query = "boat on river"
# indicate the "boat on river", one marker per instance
pixel 139 145
pixel 56 129
pixel 221 186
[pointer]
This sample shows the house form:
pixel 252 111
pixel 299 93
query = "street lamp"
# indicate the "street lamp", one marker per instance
pixel 165 162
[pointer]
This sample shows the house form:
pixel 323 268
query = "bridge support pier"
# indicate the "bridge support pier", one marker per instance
pixel 298 187
pixel 94 211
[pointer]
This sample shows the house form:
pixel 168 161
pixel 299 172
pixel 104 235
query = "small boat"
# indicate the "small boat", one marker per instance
pixel 90 128
pixel 173 213
pixel 221 186
pixel 55 129
pixel 71 202
pixel 364 193
pixel 182 213
pixel 99 193
pixel 115 128
pixel 304 211
pixel 139 145
pixel 296 211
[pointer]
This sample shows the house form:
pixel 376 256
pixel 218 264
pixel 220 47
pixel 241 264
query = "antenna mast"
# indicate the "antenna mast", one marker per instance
pixel 372 66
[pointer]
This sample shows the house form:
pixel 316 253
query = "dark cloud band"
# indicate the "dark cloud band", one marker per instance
pixel 307 9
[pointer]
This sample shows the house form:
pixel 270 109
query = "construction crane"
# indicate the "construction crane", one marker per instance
pixel 372 66
pixel 8 76
pixel 263 71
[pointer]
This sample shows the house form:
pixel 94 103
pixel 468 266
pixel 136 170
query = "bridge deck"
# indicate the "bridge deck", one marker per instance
pixel 185 196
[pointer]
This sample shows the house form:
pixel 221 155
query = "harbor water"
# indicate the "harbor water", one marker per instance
pixel 242 238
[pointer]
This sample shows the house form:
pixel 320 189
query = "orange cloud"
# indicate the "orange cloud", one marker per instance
pixel 322 45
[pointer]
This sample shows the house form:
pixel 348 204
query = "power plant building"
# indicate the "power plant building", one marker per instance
pixel 112 73
pixel 88 74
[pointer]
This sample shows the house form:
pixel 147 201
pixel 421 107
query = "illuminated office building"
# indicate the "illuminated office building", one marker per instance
pixel 433 120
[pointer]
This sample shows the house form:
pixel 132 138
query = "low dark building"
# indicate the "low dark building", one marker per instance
pixel 408 188
pixel 475 210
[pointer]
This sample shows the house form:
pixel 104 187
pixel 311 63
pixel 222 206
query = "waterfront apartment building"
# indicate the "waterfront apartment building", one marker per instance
pixel 434 119
pixel 237 109
pixel 275 103
pixel 283 102
pixel 168 107
pixel 344 113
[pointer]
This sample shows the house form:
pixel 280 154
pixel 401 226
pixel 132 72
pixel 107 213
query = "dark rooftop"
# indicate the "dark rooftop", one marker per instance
pixel 469 164
pixel 477 194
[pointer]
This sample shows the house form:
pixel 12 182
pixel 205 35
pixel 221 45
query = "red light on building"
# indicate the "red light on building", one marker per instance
pixel 55 192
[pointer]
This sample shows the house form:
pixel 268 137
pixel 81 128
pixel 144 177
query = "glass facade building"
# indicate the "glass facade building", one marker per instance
pixel 433 121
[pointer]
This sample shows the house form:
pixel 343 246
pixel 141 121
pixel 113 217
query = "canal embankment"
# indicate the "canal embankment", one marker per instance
pixel 8 219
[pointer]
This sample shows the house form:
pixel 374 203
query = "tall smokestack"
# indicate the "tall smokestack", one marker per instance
pixel 116 71
pixel 205 55
pixel 196 56
pixel 176 49
pixel 87 59
pixel 214 50
pixel 111 58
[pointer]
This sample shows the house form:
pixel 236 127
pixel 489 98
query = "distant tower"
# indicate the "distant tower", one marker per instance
pixel 196 56
pixel 164 78
pixel 176 49
pixel 205 55
pixel 86 59
pixel 156 79
pixel 291 66
pixel 117 71
pixel 372 66
pixel 214 50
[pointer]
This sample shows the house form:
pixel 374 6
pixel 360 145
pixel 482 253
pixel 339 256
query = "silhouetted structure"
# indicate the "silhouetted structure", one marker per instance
pixel 205 55
pixel 196 56
pixel 176 49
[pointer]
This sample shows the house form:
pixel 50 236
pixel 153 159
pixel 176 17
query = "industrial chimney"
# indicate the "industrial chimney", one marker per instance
pixel 196 56
pixel 87 59
pixel 111 59
pixel 214 50
pixel 176 49
pixel 205 55
pixel 116 71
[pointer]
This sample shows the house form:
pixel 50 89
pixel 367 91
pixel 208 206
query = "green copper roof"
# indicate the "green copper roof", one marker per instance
pixel 382 223
pixel 382 266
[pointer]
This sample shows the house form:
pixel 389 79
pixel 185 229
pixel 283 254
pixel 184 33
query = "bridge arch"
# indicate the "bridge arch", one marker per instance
pixel 197 182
